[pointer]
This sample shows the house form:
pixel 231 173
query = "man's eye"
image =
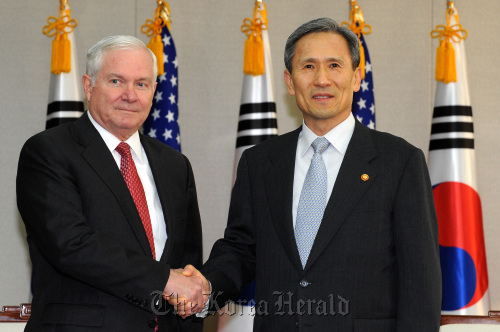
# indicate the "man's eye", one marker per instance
pixel 308 66
pixel 334 65
pixel 115 81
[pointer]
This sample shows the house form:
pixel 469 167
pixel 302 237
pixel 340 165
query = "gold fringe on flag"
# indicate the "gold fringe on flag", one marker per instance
pixel 446 70
pixel 253 61
pixel 153 29
pixel 61 45
pixel 358 26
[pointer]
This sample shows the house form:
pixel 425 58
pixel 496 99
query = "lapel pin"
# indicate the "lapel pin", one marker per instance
pixel 365 177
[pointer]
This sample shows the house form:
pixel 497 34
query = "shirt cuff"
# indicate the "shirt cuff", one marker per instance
pixel 204 312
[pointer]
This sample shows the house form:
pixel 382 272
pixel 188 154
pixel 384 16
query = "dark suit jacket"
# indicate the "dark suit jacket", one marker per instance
pixel 374 265
pixel 92 266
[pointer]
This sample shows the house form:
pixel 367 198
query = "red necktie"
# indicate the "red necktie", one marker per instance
pixel 134 184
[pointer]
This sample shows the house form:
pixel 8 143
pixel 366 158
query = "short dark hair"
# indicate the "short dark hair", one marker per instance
pixel 323 24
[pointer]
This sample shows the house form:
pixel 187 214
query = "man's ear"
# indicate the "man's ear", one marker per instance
pixel 357 79
pixel 87 85
pixel 289 83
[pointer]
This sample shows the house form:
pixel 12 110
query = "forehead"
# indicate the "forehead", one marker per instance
pixel 320 44
pixel 133 61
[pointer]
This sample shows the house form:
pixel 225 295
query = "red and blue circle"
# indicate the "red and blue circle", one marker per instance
pixel 461 243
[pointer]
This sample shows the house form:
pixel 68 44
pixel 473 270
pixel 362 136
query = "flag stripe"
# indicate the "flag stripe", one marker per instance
pixel 452 110
pixel 457 143
pixel 255 124
pixel 254 116
pixel 64 106
pixel 258 108
pixel 447 127
pixel 452 118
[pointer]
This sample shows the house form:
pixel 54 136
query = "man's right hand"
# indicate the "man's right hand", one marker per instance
pixel 187 290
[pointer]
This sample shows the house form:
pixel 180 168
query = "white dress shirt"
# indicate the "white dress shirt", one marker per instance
pixel 339 138
pixel 144 170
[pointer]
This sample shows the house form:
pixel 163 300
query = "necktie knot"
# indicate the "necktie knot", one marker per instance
pixel 123 149
pixel 320 144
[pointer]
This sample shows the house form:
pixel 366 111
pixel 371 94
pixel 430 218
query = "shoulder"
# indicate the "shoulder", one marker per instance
pixel 384 150
pixel 54 138
pixel 386 142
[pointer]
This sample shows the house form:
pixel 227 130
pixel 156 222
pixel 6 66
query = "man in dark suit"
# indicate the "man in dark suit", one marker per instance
pixel 339 239
pixel 110 214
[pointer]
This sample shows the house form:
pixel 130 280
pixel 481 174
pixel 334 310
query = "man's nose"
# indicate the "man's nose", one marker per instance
pixel 129 94
pixel 322 77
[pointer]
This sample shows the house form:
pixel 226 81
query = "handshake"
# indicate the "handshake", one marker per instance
pixel 187 290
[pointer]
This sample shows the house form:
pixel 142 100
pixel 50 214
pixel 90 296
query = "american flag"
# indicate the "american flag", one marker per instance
pixel 363 103
pixel 162 122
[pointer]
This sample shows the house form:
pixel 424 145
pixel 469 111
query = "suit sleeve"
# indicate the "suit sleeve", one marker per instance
pixel 193 239
pixel 417 249
pixel 52 207
pixel 231 264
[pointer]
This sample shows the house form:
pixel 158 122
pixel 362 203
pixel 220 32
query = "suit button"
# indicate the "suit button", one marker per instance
pixel 152 324
pixel 304 283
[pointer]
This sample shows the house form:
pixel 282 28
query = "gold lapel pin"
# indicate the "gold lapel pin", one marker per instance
pixel 365 177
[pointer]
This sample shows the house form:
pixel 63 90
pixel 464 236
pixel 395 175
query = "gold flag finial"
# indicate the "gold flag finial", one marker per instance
pixel 446 70
pixel 253 60
pixel 153 29
pixel 358 26
pixel 165 13
pixel 59 28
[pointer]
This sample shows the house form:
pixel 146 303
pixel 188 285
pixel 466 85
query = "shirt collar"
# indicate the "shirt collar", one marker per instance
pixel 338 137
pixel 112 142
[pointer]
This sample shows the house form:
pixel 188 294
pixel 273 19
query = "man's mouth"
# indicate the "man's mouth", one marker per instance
pixel 322 96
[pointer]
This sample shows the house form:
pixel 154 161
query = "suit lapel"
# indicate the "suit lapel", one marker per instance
pixel 349 188
pixel 97 154
pixel 279 188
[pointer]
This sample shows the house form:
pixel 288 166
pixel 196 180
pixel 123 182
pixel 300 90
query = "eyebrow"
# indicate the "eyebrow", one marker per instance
pixel 147 79
pixel 330 59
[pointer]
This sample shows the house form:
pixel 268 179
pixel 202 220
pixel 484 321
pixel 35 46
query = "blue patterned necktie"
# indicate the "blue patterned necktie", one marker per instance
pixel 312 201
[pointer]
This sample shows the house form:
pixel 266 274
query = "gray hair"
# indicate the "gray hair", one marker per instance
pixel 324 24
pixel 95 53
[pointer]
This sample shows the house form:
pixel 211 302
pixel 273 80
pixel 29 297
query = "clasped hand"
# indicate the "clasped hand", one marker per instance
pixel 187 290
